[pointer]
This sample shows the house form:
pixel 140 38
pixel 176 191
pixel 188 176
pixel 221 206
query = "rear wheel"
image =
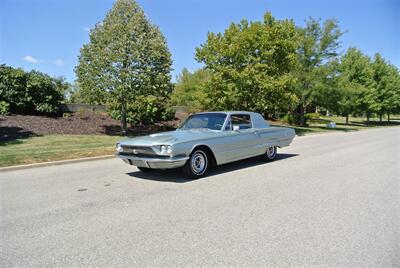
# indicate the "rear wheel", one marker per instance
pixel 197 164
pixel 144 169
pixel 270 154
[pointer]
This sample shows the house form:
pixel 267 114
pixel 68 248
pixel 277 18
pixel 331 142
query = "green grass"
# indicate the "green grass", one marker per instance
pixel 55 147
pixel 355 124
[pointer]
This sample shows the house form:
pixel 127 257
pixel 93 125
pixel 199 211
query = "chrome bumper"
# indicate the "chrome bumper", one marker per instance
pixel 156 163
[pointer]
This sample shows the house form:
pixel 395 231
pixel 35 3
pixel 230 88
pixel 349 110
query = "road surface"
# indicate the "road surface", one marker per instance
pixel 328 200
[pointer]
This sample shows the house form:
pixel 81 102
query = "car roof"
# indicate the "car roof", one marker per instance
pixel 227 112
pixel 257 119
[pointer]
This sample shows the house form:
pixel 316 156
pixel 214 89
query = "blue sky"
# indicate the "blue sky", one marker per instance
pixel 47 34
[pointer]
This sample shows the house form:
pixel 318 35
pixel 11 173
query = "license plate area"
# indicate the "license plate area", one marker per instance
pixel 140 163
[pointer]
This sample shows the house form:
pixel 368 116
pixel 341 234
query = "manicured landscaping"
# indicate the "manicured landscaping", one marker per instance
pixel 55 147
pixel 355 124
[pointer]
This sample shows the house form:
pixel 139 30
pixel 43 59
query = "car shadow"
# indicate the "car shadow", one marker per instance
pixel 175 175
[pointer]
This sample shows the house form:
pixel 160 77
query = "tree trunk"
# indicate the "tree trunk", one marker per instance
pixel 123 117
pixel 302 115
pixel 347 119
pixel 367 117
pixel 380 118
pixel 388 117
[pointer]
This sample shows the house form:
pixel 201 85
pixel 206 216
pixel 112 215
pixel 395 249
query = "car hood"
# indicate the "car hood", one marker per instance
pixel 172 137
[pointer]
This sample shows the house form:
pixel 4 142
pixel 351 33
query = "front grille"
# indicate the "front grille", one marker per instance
pixel 140 151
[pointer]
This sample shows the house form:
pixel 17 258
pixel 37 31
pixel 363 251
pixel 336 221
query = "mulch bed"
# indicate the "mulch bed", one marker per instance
pixel 23 126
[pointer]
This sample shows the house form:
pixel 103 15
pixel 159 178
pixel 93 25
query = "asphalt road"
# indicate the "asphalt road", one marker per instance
pixel 328 200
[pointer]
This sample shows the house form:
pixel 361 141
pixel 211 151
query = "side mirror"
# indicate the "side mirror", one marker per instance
pixel 236 128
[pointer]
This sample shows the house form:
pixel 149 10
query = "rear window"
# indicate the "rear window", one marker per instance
pixel 241 120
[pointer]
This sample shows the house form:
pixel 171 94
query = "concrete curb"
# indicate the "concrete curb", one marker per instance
pixel 56 163
pixel 337 132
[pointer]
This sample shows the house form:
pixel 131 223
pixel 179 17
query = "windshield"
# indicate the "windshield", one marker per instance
pixel 213 121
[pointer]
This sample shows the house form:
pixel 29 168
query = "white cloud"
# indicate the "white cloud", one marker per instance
pixel 31 59
pixel 86 29
pixel 59 62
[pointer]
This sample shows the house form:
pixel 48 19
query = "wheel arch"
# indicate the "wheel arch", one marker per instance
pixel 209 151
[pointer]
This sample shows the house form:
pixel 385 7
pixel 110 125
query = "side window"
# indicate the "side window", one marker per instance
pixel 241 120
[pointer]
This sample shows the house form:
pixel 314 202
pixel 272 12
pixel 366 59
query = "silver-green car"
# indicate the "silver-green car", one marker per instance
pixel 205 140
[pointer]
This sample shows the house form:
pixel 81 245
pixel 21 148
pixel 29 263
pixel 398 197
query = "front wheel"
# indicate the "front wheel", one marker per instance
pixel 270 154
pixel 197 164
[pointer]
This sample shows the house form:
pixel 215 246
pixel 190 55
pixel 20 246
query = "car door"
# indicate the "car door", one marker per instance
pixel 241 138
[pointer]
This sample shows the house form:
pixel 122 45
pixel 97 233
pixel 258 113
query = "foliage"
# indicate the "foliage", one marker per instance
pixel 190 90
pixel 4 108
pixel 392 96
pixel 144 110
pixel 355 83
pixel 126 60
pixel 250 65
pixel 312 116
pixel 292 118
pixel 317 50
pixel 66 115
pixel 41 89
pixel 28 92
pixel 62 86
pixel 75 94
pixel 367 86
pixel 385 96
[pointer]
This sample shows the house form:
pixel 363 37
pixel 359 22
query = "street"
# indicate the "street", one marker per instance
pixel 328 200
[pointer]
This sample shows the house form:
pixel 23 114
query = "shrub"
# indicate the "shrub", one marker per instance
pixel 44 96
pixel 28 92
pixel 292 119
pixel 66 115
pixel 311 116
pixel 145 110
pixel 4 108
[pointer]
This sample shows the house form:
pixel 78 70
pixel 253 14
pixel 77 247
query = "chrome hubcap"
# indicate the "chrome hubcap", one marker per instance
pixel 271 152
pixel 198 163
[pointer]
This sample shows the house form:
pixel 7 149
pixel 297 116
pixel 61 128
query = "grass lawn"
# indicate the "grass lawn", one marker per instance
pixel 55 147
pixel 355 124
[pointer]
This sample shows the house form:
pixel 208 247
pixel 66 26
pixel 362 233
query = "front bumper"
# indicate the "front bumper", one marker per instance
pixel 156 163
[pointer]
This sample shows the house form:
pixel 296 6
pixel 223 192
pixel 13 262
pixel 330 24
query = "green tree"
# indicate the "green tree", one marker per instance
pixel 392 100
pixel 250 66
pixel 62 86
pixel 355 83
pixel 318 48
pixel 73 94
pixel 126 60
pixel 326 94
pixel 384 90
pixel 190 90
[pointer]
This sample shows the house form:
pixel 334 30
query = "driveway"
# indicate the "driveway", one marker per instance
pixel 328 200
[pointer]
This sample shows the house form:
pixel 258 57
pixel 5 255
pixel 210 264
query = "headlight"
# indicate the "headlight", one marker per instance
pixel 166 149
pixel 119 148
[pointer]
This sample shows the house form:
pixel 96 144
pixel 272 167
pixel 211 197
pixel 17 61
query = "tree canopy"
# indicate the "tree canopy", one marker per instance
pixel 126 60
pixel 190 90
pixel 250 65
pixel 316 53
